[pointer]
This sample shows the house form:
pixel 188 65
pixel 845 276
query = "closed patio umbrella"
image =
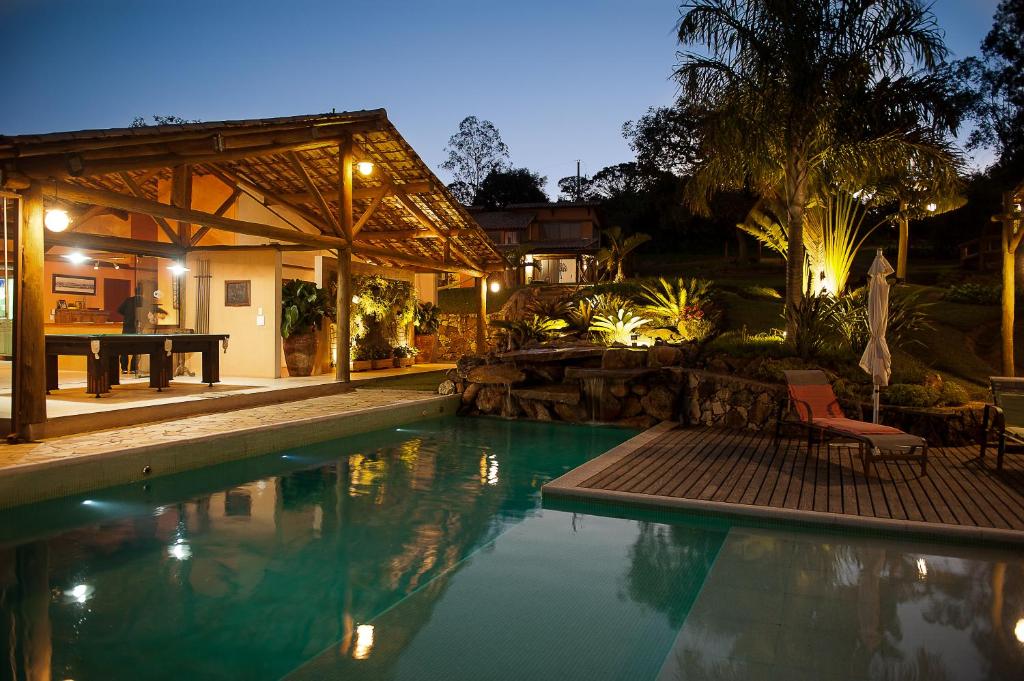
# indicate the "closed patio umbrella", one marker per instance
pixel 876 359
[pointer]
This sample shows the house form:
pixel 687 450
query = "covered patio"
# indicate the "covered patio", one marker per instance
pixel 204 222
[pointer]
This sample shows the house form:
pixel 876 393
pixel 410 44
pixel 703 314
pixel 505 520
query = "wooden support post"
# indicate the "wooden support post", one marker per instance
pixel 1008 302
pixel 181 197
pixel 343 302
pixel 1012 234
pixel 344 258
pixel 481 315
pixel 30 348
pixel 904 242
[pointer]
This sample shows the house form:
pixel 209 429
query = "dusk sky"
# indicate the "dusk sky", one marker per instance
pixel 558 78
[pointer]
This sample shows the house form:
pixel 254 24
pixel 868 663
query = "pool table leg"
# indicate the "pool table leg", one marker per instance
pixel 160 370
pixel 96 375
pixel 52 382
pixel 113 370
pixel 211 365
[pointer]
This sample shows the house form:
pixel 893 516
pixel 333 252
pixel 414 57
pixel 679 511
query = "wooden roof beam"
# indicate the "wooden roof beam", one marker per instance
pixel 223 208
pixel 358 192
pixel 430 226
pixel 137 191
pixel 325 209
pixel 383 191
pixel 100 197
pixel 403 234
pixel 266 198
pixel 113 244
pixel 206 137
pixel 75 165
pixel 416 261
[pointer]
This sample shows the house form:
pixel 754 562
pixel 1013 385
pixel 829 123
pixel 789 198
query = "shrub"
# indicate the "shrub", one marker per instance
pixel 771 370
pixel 953 394
pixel 618 328
pixel 907 316
pixel 516 334
pixel 906 395
pixel 682 304
pixel 760 293
pixel 815 321
pixel 738 344
pixel 428 318
pixel 974 294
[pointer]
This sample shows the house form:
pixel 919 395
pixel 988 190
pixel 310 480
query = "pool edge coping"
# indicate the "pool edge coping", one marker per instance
pixel 107 468
pixel 568 487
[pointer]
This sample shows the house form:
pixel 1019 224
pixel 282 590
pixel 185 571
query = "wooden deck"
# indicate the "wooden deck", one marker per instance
pixel 743 471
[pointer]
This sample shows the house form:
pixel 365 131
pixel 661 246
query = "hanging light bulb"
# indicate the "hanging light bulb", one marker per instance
pixel 76 258
pixel 177 269
pixel 56 220
pixel 365 168
pixel 495 286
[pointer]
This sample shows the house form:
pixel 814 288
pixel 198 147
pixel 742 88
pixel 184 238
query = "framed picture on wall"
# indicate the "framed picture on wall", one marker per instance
pixel 237 293
pixel 80 286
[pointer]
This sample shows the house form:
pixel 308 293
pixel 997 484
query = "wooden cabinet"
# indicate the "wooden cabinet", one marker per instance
pixel 71 316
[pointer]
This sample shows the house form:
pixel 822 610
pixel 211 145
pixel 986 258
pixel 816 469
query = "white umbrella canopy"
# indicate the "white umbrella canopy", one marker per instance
pixel 876 359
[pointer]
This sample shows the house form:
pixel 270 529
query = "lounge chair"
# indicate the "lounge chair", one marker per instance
pixel 817 409
pixel 1004 418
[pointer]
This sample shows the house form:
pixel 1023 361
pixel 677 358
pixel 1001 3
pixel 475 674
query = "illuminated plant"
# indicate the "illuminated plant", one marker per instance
pixel 619 327
pixel 679 304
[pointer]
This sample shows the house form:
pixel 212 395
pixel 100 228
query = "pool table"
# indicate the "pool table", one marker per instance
pixel 102 353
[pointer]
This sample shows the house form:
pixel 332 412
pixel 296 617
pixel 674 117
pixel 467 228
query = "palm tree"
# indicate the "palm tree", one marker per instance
pixel 797 95
pixel 613 256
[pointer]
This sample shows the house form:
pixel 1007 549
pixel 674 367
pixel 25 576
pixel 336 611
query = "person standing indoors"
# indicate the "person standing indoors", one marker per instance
pixel 129 310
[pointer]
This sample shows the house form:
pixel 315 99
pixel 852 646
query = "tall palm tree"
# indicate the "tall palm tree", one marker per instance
pixel 797 95
pixel 613 256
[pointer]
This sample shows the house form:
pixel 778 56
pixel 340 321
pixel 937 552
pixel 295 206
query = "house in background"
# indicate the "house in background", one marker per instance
pixel 561 239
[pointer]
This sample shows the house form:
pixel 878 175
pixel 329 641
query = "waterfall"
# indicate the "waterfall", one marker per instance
pixel 593 389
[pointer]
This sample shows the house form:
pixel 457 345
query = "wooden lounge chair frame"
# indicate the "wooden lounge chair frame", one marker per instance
pixel 993 421
pixel 890 445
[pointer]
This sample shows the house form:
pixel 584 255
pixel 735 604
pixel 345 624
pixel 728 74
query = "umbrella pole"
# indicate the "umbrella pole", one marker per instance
pixel 874 414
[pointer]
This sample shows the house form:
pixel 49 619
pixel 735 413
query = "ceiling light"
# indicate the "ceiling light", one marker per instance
pixel 56 220
pixel 177 269
pixel 495 286
pixel 364 167
pixel 76 258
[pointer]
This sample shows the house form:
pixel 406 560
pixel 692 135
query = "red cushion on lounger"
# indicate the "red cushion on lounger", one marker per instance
pixel 819 398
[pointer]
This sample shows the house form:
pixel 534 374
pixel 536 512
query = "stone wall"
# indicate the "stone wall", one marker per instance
pixel 456 336
pixel 730 401
pixel 638 388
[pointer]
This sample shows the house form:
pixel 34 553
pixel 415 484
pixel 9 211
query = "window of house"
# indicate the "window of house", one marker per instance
pixel 561 231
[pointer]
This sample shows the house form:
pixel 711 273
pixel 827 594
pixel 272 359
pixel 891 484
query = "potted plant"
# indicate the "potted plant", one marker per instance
pixel 381 356
pixel 303 310
pixel 428 319
pixel 363 359
pixel 404 356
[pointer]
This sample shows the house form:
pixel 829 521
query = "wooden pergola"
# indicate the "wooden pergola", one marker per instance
pixel 304 169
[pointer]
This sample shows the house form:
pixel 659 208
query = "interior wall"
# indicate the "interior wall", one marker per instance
pixel 254 348
pixel 62 267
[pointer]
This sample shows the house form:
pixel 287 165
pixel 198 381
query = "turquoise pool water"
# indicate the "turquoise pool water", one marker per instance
pixel 424 552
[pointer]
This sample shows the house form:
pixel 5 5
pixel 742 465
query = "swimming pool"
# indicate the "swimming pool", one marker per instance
pixel 423 552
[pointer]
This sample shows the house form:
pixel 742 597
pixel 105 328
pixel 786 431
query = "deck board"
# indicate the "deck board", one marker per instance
pixel 748 468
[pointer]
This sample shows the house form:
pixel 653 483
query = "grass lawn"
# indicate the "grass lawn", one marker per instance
pixel 426 381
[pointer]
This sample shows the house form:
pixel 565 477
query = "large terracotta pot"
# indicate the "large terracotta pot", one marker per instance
pixel 425 344
pixel 300 353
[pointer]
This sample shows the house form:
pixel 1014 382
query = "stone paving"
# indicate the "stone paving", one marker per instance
pixel 180 430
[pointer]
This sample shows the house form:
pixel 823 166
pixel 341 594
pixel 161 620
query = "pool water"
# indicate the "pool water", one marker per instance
pixel 424 552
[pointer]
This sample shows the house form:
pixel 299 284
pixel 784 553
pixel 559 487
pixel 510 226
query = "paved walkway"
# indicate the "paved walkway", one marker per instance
pixel 742 472
pixel 180 430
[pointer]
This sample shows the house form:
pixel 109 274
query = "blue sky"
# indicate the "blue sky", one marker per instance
pixel 557 77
